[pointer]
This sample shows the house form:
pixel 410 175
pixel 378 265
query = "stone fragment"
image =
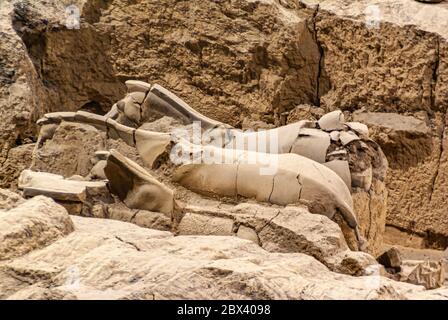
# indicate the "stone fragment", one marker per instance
pixel 143 218
pixel 9 200
pixel 46 132
pixel 248 234
pixel 429 274
pixel 193 224
pixel 152 220
pixel 347 137
pixel 97 172
pixel 391 258
pixel 56 187
pixel 359 128
pixel 32 225
pixel 118 211
pixel 332 121
pixel 334 135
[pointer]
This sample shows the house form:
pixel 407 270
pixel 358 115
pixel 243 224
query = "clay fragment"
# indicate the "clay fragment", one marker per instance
pixel 312 144
pixel 332 121
pixel 358 127
pixel 342 169
pixel 95 120
pixel 56 187
pixel 136 187
pixel 334 135
pixel 116 130
pixel 347 137
pixel 151 145
pixel 137 86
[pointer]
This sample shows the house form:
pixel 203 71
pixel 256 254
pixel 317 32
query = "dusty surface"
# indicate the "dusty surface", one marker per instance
pixel 251 67
pixel 104 259
pixel 394 52
pixel 273 57
pixel 32 225
pixel 276 229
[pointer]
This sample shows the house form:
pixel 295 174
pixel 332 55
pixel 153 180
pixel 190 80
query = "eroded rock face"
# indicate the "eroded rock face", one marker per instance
pixel 9 199
pixel 20 102
pixel 380 41
pixel 416 149
pixel 40 71
pixel 267 58
pixel 396 53
pixel 406 140
pixel 19 159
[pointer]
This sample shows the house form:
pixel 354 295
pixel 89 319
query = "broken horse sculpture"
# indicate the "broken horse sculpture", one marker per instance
pixel 312 163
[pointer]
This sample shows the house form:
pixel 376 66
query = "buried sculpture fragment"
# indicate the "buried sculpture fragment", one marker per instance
pixel 303 162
